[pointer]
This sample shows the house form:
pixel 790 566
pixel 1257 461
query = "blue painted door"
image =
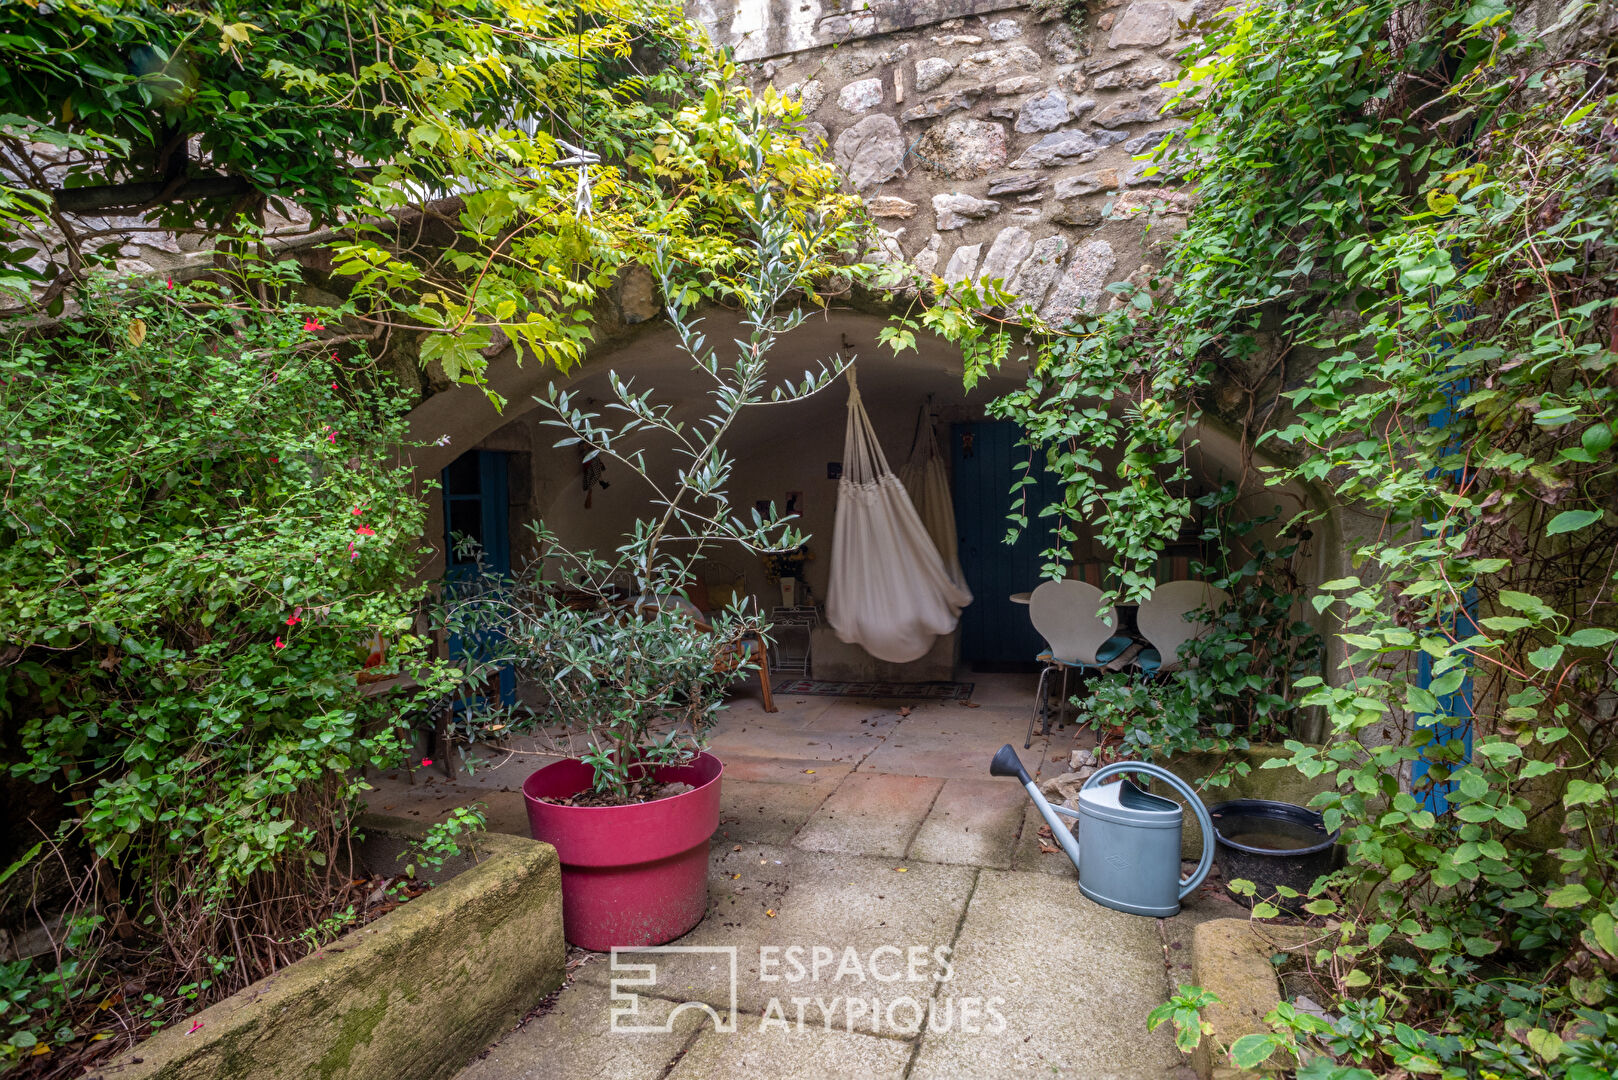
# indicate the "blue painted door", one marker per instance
pixel 477 507
pixel 986 460
pixel 1453 688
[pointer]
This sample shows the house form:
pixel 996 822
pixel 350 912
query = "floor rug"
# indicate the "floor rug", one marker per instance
pixel 932 691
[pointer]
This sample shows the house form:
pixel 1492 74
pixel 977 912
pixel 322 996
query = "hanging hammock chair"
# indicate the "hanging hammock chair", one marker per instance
pixel 889 592
pixel 927 480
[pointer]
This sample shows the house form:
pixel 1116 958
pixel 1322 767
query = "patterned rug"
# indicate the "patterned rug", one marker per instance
pixel 933 691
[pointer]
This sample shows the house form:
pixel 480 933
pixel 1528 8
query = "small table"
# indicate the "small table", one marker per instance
pixel 799 622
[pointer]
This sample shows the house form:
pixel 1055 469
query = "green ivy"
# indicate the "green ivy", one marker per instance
pixel 1409 214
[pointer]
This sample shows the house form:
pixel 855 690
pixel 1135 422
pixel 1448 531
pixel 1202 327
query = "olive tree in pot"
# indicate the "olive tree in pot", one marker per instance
pixel 610 653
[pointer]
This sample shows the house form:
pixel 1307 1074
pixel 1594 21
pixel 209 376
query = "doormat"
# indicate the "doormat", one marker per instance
pixel 932 691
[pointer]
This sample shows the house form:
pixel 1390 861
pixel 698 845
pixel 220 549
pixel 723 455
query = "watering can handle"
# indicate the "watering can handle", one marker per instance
pixel 1187 884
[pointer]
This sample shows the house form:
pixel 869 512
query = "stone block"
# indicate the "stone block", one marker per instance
pixel 1015 184
pixel 1007 253
pixel 1004 29
pixel 861 96
pixel 1033 279
pixel 1231 960
pixel 1145 22
pixel 1043 112
pixel 965 149
pixel 955 210
pixel 932 72
pixel 1082 284
pixel 870 152
pixel 1067 148
pixel 890 206
pixel 413 996
pixel 939 105
pixel 963 264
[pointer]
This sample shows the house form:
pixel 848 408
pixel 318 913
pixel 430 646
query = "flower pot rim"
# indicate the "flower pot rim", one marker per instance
pixel 695 790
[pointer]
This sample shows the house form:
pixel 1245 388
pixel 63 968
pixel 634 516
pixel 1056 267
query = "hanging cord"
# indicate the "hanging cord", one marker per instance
pixel 925 416
pixel 863 459
pixel 578 157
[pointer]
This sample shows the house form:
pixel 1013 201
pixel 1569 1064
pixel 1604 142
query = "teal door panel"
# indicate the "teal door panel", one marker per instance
pixel 986 459
pixel 477 507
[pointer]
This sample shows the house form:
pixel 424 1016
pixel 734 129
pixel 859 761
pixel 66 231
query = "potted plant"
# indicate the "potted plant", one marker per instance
pixel 608 651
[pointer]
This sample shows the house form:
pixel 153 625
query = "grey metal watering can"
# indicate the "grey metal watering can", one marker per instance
pixel 1128 848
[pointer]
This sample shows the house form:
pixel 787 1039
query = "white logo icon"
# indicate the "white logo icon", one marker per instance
pixel 626 1015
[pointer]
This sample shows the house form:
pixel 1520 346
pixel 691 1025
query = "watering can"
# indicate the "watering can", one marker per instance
pixel 1128 848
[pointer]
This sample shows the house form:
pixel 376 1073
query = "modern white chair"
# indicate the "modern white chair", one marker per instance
pixel 1163 621
pixel 1077 639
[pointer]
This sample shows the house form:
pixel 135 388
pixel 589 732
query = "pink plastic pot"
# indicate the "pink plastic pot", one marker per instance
pixel 631 875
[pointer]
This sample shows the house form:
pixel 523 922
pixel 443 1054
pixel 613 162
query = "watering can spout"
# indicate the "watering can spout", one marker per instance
pixel 1007 763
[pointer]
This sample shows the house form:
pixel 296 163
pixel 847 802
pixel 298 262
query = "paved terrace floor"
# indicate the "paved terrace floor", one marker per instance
pixel 849 825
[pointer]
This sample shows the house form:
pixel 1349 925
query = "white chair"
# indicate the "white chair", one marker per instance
pixel 1077 639
pixel 1163 621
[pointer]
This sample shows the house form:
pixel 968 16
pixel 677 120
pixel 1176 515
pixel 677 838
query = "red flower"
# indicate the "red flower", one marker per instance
pixel 365 530
pixel 274 460
pixel 357 511
pixel 293 620
pixel 331 436
pixel 426 761
pixel 279 644
pixel 312 324
pixel 334 386
pixel 170 283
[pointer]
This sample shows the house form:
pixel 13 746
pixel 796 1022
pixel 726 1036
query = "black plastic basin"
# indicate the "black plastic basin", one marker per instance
pixel 1270 844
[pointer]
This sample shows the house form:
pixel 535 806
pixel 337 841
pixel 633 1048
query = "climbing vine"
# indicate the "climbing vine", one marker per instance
pixel 1405 227
pixel 427 136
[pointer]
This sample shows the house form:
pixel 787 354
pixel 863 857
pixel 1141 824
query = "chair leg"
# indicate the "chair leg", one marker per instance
pixel 1033 717
pixel 764 677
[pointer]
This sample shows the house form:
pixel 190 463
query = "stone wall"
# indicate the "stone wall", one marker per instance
pixel 993 144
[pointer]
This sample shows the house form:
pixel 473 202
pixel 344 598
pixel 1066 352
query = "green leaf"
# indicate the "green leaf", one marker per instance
pixel 1574 895
pixel 1546 658
pixel 1569 520
pixel 1251 1051
pixel 1547 1044
pixel 1579 793
pixel 1591 637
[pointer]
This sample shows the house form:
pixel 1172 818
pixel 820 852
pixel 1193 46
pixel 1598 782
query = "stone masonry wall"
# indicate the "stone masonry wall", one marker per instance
pixel 994 144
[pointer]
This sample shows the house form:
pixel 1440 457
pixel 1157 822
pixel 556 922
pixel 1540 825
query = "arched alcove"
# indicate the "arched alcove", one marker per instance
pixel 790 452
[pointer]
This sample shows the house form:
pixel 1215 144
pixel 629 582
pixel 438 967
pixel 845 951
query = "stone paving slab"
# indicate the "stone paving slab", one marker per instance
pixel 778 740
pixel 756 812
pixel 783 899
pixel 1004 689
pixel 870 814
pixel 856 717
pixel 806 772
pixel 1028 855
pixel 769 1053
pixel 574 1042
pixel 1074 982
pixel 972 823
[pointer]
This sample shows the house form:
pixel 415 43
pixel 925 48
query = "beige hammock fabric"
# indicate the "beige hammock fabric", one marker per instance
pixel 889 592
pixel 927 480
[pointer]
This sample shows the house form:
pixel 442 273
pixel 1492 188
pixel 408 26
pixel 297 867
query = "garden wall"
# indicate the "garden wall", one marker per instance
pixel 987 140
pixel 413 996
